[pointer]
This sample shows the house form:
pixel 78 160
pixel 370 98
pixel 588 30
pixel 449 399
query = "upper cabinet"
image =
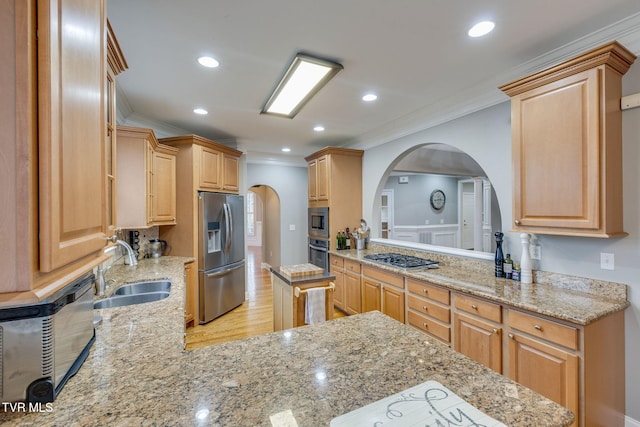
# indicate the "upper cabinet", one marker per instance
pixel 116 64
pixel 335 181
pixel 567 146
pixel 53 118
pixel 146 185
pixel 71 138
pixel 216 166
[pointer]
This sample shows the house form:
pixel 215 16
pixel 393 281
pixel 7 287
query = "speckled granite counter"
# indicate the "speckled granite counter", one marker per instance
pixel 577 300
pixel 139 374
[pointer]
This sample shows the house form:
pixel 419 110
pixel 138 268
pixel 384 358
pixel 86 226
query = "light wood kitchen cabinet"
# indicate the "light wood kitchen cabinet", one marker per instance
pixel 371 295
pixel 218 170
pixel 116 64
pixel 319 179
pixel 53 144
pixel 335 181
pixel 199 163
pixel 567 146
pixel 352 285
pixel 478 334
pixel 146 179
pixel 191 293
pixel 336 267
pixel 428 309
pixel 535 362
pixel 383 290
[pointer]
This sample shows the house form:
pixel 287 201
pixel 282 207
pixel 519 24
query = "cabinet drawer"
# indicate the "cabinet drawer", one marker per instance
pixel 429 291
pixel 484 309
pixel 352 266
pixel 431 326
pixel 429 308
pixel 383 276
pixel 548 330
pixel 336 261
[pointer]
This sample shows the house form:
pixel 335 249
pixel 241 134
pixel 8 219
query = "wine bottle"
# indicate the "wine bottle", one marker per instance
pixel 348 239
pixel 499 255
pixel 508 267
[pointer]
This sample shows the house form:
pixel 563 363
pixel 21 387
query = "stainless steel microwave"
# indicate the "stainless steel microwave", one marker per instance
pixel 319 223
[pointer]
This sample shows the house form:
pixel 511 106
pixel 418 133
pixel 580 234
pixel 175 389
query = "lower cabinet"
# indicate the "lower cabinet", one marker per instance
pixel 479 340
pixel 370 295
pixel 581 367
pixel 353 294
pixel 191 294
pixel 548 370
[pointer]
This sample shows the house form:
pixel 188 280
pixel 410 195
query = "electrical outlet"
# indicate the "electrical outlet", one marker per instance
pixel 292 227
pixel 607 261
pixel 534 251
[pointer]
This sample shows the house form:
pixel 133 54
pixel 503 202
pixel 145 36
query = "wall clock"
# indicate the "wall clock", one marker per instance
pixel 437 199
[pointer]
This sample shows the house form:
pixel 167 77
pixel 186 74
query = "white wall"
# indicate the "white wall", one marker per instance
pixel 290 184
pixel 490 146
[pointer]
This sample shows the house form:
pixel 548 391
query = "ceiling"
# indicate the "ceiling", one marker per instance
pixel 414 54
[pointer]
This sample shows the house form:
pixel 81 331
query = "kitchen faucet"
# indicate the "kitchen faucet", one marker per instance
pixel 101 283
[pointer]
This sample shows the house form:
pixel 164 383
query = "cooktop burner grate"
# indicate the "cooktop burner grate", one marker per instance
pixel 402 261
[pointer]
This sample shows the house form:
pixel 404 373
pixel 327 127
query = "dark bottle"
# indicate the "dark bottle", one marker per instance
pixel 347 239
pixel 508 267
pixel 499 256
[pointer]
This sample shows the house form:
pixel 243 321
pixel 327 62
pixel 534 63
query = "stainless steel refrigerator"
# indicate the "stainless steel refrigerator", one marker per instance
pixel 221 261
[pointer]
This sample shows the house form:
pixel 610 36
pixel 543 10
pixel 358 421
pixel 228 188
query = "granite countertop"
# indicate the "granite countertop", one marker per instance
pixel 138 373
pixel 562 301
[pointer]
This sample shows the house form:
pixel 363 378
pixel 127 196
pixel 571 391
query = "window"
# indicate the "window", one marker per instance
pixel 251 217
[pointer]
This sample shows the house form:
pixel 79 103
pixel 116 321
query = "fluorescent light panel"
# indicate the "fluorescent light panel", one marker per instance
pixel 304 78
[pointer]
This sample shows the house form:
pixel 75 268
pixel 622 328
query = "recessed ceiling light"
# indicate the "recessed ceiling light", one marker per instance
pixel 286 150
pixel 200 111
pixel 207 61
pixel 319 128
pixel 481 29
pixel 370 97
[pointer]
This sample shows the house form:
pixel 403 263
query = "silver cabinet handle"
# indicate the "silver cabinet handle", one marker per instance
pixel 425 325
pixel 426 291
pixel 495 331
pixel 538 327
pixel 511 336
pixel 517 222
pixel 424 307
pixel 473 306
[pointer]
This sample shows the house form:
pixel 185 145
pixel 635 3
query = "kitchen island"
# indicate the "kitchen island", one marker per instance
pixel 138 372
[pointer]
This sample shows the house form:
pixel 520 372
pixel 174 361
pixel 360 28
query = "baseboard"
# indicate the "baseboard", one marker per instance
pixel 630 422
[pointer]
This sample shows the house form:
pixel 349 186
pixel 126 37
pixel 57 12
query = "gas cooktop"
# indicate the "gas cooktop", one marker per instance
pixel 402 261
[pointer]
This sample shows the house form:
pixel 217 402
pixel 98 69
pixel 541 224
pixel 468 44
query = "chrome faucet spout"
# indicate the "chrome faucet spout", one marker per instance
pixel 131 258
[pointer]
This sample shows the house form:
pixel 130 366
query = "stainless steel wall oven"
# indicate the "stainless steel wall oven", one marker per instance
pixel 319 253
pixel 319 223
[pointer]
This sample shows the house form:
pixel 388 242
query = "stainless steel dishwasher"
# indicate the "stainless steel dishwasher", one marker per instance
pixel 42 345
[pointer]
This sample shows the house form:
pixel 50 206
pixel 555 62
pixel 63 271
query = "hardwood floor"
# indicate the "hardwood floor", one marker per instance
pixel 253 317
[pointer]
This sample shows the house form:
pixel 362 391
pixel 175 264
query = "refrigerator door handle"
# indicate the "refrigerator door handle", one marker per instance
pixel 224 272
pixel 229 222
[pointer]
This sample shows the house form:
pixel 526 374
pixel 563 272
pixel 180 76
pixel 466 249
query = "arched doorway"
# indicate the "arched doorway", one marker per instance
pixel 263 223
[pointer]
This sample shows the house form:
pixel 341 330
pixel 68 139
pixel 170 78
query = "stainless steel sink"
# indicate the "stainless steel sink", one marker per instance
pixel 122 300
pixel 144 287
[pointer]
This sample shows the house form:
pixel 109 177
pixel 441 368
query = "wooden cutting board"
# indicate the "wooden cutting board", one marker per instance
pixel 301 270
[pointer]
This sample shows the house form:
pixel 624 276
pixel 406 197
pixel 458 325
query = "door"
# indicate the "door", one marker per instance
pixel 386 214
pixel 468 203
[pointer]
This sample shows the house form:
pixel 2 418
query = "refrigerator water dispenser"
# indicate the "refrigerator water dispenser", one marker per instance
pixel 213 232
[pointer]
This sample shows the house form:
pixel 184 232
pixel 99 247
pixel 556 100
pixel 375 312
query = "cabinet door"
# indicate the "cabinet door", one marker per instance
pixel 230 173
pixel 353 296
pixel 370 295
pixel 338 293
pixel 479 340
pixel 71 130
pixel 545 369
pixel 322 179
pixel 163 189
pixel 393 302
pixel 191 294
pixel 556 154
pixel 210 168
pixel 312 169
